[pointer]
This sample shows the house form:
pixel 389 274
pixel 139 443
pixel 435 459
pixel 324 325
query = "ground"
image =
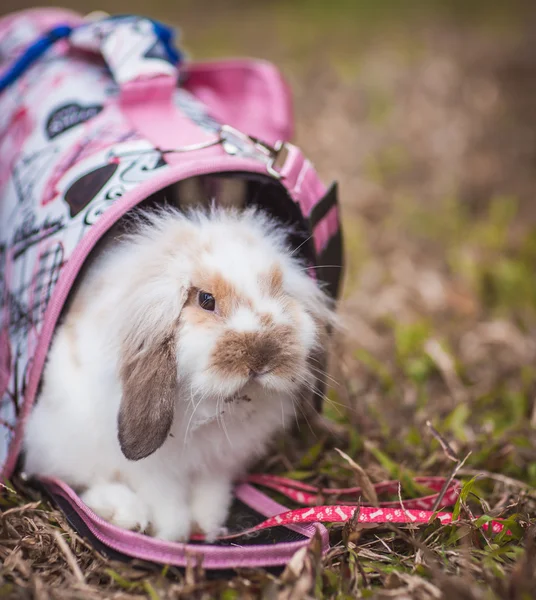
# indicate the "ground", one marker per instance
pixel 425 114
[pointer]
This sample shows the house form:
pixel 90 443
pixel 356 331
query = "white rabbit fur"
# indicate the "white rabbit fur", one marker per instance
pixel 138 369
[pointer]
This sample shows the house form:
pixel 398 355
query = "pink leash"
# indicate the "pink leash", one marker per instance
pixel 417 511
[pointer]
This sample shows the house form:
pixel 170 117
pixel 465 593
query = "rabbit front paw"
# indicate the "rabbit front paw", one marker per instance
pixel 118 504
pixel 210 507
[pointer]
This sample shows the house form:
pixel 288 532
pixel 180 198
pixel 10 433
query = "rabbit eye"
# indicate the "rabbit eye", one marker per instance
pixel 206 301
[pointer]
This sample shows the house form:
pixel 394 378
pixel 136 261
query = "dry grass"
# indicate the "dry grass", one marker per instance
pixel 430 127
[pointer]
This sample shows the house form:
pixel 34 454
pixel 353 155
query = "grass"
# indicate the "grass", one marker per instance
pixel 429 127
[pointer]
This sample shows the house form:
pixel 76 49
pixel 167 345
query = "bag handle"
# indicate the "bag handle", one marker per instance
pixel 132 48
pixel 144 63
pixel 142 60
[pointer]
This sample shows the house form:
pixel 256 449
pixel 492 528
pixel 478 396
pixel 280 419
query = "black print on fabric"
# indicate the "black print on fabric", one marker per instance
pixel 96 209
pixel 12 397
pixel 30 232
pixel 14 394
pixel 29 171
pixel 68 116
pixel 83 190
pixel 27 304
pixel 145 163
pixel 111 181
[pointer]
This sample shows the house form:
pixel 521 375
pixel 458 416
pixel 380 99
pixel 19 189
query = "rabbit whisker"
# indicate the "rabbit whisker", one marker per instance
pixel 192 416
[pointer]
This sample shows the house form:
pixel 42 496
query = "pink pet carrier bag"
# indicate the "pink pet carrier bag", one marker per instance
pixel 96 117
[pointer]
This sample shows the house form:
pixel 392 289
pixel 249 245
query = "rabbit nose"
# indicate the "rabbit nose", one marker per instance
pixel 260 354
pixel 257 372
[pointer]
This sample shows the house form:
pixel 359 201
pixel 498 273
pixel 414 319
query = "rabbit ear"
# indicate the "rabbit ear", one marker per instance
pixel 148 365
pixel 149 378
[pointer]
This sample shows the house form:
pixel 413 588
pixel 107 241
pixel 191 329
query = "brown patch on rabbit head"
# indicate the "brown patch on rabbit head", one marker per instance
pixel 272 282
pixel 250 353
pixel 270 348
pixel 225 293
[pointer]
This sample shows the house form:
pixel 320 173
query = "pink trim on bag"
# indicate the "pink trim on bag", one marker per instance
pixel 5 360
pixel 173 553
pixel 326 228
pixel 307 187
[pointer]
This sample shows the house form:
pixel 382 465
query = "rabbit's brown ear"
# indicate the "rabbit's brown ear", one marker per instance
pixel 149 380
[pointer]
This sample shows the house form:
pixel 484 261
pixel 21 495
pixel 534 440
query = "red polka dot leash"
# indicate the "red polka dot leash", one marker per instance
pixel 415 511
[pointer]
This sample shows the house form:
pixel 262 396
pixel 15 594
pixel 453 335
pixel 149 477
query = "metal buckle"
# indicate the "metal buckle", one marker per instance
pixel 229 136
pixel 278 149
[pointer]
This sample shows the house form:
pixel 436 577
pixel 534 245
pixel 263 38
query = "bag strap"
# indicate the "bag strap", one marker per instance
pixel 417 511
pixel 32 54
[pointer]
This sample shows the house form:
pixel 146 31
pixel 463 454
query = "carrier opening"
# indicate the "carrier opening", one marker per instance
pixel 241 190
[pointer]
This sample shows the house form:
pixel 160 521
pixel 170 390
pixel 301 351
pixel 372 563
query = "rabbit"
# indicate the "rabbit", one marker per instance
pixel 186 347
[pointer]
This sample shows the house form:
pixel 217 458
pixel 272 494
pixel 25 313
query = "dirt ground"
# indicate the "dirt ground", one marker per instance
pixel 425 114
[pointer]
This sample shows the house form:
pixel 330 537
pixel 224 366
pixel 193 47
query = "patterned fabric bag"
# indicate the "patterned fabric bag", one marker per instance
pixel 97 116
